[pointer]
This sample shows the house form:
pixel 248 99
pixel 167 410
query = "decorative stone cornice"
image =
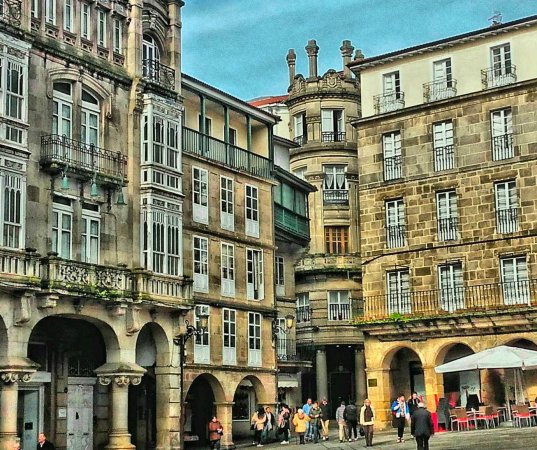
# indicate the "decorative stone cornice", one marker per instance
pixel 120 374
pixel 17 370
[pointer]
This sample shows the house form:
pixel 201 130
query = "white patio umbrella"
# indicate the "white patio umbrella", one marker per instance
pixel 530 364
pixel 501 357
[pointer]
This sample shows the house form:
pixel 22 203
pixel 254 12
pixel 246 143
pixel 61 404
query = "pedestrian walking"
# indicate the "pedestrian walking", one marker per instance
pixel 340 419
pixel 351 417
pixel 43 443
pixel 306 408
pixel 315 419
pixel 283 423
pixel 325 418
pixel 401 415
pixel 367 420
pixel 258 424
pixel 269 424
pixel 216 430
pixel 300 421
pixel 422 427
pixel 413 402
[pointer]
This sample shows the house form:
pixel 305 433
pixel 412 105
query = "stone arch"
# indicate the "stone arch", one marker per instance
pixel 387 359
pixel 3 339
pixel 75 76
pixel 259 388
pixel 216 386
pixel 522 342
pixel 444 351
pixel 153 335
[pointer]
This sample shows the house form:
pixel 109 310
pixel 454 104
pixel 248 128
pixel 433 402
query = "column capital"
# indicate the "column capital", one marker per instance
pixel 120 374
pixel 230 404
pixel 17 370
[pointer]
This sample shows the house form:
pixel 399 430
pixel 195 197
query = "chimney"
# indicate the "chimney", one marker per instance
pixel 312 49
pixel 358 55
pixel 291 59
pixel 346 52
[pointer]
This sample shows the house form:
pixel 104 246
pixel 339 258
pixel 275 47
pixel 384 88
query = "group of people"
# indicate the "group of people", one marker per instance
pixel 413 411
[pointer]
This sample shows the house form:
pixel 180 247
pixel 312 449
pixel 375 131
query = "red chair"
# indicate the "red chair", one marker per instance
pixel 459 417
pixel 522 413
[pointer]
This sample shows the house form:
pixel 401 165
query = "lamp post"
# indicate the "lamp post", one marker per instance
pixel 180 340
pixel 285 329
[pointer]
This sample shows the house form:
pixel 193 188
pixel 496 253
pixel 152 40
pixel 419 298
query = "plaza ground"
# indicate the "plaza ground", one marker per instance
pixel 494 439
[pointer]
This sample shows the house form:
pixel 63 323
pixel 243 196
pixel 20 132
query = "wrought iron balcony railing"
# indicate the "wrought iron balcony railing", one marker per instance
pixel 303 314
pixel 455 300
pixel 507 220
pixel 158 73
pixel 439 90
pixel 389 102
pixel 222 152
pixel 335 197
pixel 291 221
pixel 393 167
pixel 300 140
pixel 10 11
pixel 395 236
pixel 502 147
pixel 339 311
pixel 498 76
pixel 76 156
pixel 444 158
pixel 333 136
pixel 448 229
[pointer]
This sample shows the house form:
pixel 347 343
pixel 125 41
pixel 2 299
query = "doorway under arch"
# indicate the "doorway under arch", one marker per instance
pixel 461 388
pixel 406 374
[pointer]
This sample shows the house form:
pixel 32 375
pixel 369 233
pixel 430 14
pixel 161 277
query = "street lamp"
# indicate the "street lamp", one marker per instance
pixel 181 339
pixel 286 329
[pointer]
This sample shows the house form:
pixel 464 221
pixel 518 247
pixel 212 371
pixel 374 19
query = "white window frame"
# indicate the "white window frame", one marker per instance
pixel 506 200
pixel 300 172
pixel 34 8
pixel 85 20
pixel 200 265
pixel 391 149
pixel 255 321
pixel 13 212
pixel 451 286
pixel 515 281
pixel 279 275
pixel 50 11
pixel 447 210
pixel 200 195
pixel 398 300
pixel 335 177
pixel 282 339
pixel 299 123
pixel 227 203
pixel 303 307
pixel 255 279
pixel 395 221
pixel 501 60
pixel 251 207
pixel 444 155
pixel 61 210
pixel 227 258
pixel 117 46
pixel 68 15
pixel 339 305
pixel 229 333
pixel 332 124
pixel 87 237
pixel 102 32
pixel 90 121
pixel 501 124
pixel 202 342
pixel 61 101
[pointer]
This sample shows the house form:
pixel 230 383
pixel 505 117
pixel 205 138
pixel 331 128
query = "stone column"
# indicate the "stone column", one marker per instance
pixel 312 50
pixel 379 392
pixel 224 412
pixel 119 380
pixel 360 378
pixel 321 374
pixel 346 53
pixel 10 378
pixel 434 387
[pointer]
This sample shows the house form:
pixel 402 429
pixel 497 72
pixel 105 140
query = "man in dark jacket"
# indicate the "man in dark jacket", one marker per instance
pixel 351 416
pixel 422 427
pixel 43 443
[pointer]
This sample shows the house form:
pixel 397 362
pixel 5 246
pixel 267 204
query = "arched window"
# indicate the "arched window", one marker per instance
pixel 150 56
pixel 89 120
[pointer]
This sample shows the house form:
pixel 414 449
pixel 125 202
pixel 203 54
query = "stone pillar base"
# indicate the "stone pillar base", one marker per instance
pixel 7 442
pixel 228 446
pixel 119 442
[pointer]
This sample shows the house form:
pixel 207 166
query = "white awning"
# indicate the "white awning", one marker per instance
pixel 287 381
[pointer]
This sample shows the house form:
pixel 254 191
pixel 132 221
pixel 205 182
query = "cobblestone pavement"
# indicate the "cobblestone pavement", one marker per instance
pixel 494 439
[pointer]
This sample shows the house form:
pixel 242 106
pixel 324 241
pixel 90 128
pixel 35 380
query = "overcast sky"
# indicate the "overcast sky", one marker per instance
pixel 240 46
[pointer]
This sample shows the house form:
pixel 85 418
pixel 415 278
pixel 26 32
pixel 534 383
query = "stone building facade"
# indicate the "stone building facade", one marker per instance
pixel 229 249
pixel 446 152
pixel 327 275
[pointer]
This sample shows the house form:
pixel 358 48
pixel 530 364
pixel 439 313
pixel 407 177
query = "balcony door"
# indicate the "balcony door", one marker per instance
pixel 150 56
pixel 202 349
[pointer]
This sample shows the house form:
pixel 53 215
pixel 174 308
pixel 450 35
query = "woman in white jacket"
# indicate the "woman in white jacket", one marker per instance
pixel 367 419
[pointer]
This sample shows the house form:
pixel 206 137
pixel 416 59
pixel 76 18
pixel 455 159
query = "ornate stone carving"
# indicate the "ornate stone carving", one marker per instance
pixel 23 311
pixel 120 379
pixel 15 376
pixel 133 320
pixel 331 79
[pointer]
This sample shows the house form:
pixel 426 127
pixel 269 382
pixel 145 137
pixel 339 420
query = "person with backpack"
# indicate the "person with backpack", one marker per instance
pixel 401 415
pixel 283 423
pixel 351 417
pixel 342 425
